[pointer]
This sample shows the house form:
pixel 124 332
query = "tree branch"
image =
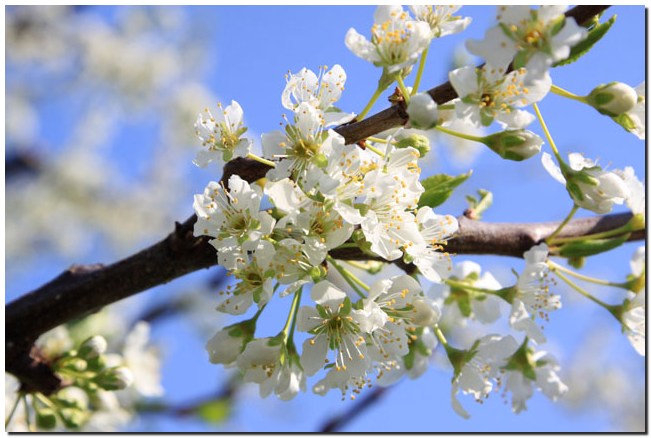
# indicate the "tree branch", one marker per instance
pixel 83 289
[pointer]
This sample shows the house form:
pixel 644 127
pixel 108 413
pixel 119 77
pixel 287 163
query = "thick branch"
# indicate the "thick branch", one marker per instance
pixel 84 289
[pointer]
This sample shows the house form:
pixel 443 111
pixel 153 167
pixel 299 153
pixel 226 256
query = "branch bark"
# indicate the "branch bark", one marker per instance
pixel 83 289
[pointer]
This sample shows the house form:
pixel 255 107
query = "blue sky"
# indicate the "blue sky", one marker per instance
pixel 248 52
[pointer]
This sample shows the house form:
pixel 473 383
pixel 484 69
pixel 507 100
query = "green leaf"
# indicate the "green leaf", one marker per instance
pixel 584 46
pixel 438 188
pixel 215 412
pixel 591 247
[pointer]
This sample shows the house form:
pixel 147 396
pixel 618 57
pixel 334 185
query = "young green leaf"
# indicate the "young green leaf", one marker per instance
pixel 438 188
pixel 595 34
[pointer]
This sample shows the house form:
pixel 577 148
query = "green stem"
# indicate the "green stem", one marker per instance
pixel 553 265
pixel 347 245
pixel 550 239
pixel 378 140
pixel 403 88
pixel 614 232
pixel 13 409
pixel 459 134
pixel 28 421
pixel 419 74
pixel 261 160
pixel 374 149
pixel 369 105
pixel 347 276
pixel 291 318
pixel 447 106
pixel 565 93
pixel 547 134
pixel 464 286
pixel 582 291
pixel 439 334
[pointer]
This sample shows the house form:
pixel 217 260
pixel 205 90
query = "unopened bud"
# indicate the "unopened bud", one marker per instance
pixel 92 347
pixel 73 364
pixel 72 397
pixel 613 99
pixel 416 141
pixel 516 145
pixel 73 418
pixel 425 314
pixel 423 111
pixel 113 379
pixel 46 419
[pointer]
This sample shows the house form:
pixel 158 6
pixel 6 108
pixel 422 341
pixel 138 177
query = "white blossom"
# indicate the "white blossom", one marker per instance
pixel 300 145
pixel 636 199
pixel 332 327
pixel 422 110
pixel 476 376
pixel 429 256
pixel 531 36
pixel 396 39
pixel 589 186
pixel 441 19
pixel 255 281
pixel 460 303
pixel 521 385
pixel 143 361
pixel 221 135
pixel 319 91
pixel 487 94
pixel 532 296
pixel 232 218
pixel 261 363
pixel 634 316
pixel 391 191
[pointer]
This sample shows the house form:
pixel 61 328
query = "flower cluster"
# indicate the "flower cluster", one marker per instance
pixel 324 204
pixel 321 191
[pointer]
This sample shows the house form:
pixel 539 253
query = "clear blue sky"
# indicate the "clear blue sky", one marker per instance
pixel 250 50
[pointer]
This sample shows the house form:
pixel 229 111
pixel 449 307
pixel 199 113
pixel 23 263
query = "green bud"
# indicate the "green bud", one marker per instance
pixel 73 364
pixel 113 379
pixel 73 418
pixel 576 262
pixel 97 363
pixel 46 419
pixel 612 99
pixel 416 141
pixel 92 347
pixel 516 145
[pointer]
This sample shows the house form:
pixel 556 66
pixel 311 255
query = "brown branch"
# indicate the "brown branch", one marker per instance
pixel 84 289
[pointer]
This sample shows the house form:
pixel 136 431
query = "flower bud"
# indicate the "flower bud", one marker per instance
pixel 113 379
pixel 46 419
pixel 416 141
pixel 92 347
pixel 73 418
pixel 613 99
pixel 516 145
pixel 73 364
pixel 229 342
pixel 423 112
pixel 426 313
pixel 72 397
